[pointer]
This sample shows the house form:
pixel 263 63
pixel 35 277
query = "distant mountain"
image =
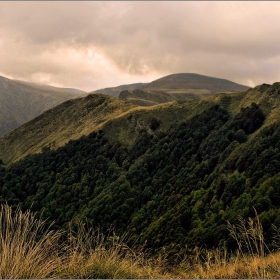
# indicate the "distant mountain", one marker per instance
pixel 115 91
pixel 185 86
pixel 67 90
pixel 20 102
pixel 182 86
pixel 194 83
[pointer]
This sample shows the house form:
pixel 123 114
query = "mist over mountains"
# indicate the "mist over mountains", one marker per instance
pixel 21 102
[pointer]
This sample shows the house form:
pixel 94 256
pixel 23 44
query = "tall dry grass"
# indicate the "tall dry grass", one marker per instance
pixel 30 250
pixel 253 259
pixel 27 248
pixel 92 254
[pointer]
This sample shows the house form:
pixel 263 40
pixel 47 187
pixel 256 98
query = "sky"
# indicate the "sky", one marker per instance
pixel 91 45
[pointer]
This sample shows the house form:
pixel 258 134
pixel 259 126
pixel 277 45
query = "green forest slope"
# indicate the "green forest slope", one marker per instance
pixel 170 176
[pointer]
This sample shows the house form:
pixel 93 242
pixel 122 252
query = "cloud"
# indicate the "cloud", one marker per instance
pixel 91 45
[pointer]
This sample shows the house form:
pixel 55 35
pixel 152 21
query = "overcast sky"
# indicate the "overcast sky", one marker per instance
pixel 92 45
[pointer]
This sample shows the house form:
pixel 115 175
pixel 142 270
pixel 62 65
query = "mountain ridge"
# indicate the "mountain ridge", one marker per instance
pixel 194 81
pixel 115 91
pixel 21 101
pixel 181 86
pixel 77 117
pixel 180 83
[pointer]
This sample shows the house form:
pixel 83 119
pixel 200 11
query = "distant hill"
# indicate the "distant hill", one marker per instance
pixel 115 91
pixel 185 86
pixel 20 102
pixel 194 83
pixel 55 89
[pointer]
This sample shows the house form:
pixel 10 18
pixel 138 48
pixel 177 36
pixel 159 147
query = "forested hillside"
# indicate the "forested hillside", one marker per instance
pixel 172 189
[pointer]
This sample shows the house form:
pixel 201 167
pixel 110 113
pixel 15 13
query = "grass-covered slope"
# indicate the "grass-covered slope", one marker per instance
pixel 145 98
pixel 29 250
pixel 55 127
pixel 171 176
pixel 21 102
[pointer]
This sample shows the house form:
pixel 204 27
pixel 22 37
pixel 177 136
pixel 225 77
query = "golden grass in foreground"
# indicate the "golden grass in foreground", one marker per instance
pixel 221 265
pixel 252 260
pixel 29 250
pixel 91 255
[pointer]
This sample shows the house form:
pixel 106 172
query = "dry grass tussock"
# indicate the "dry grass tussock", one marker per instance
pixel 30 250
pixel 253 259
pixel 92 255
pixel 27 248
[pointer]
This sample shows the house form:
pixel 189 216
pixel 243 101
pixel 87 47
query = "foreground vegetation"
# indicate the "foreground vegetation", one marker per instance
pixel 29 249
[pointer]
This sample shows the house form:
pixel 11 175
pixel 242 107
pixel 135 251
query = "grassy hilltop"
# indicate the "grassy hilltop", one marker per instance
pixel 183 86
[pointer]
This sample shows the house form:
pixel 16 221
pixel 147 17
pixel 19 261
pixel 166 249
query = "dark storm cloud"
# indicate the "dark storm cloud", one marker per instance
pixel 90 45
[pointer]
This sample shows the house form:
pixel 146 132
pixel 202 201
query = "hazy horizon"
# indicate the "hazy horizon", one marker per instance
pixel 94 45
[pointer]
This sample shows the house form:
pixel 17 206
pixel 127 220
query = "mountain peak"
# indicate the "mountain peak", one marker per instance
pixel 188 81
